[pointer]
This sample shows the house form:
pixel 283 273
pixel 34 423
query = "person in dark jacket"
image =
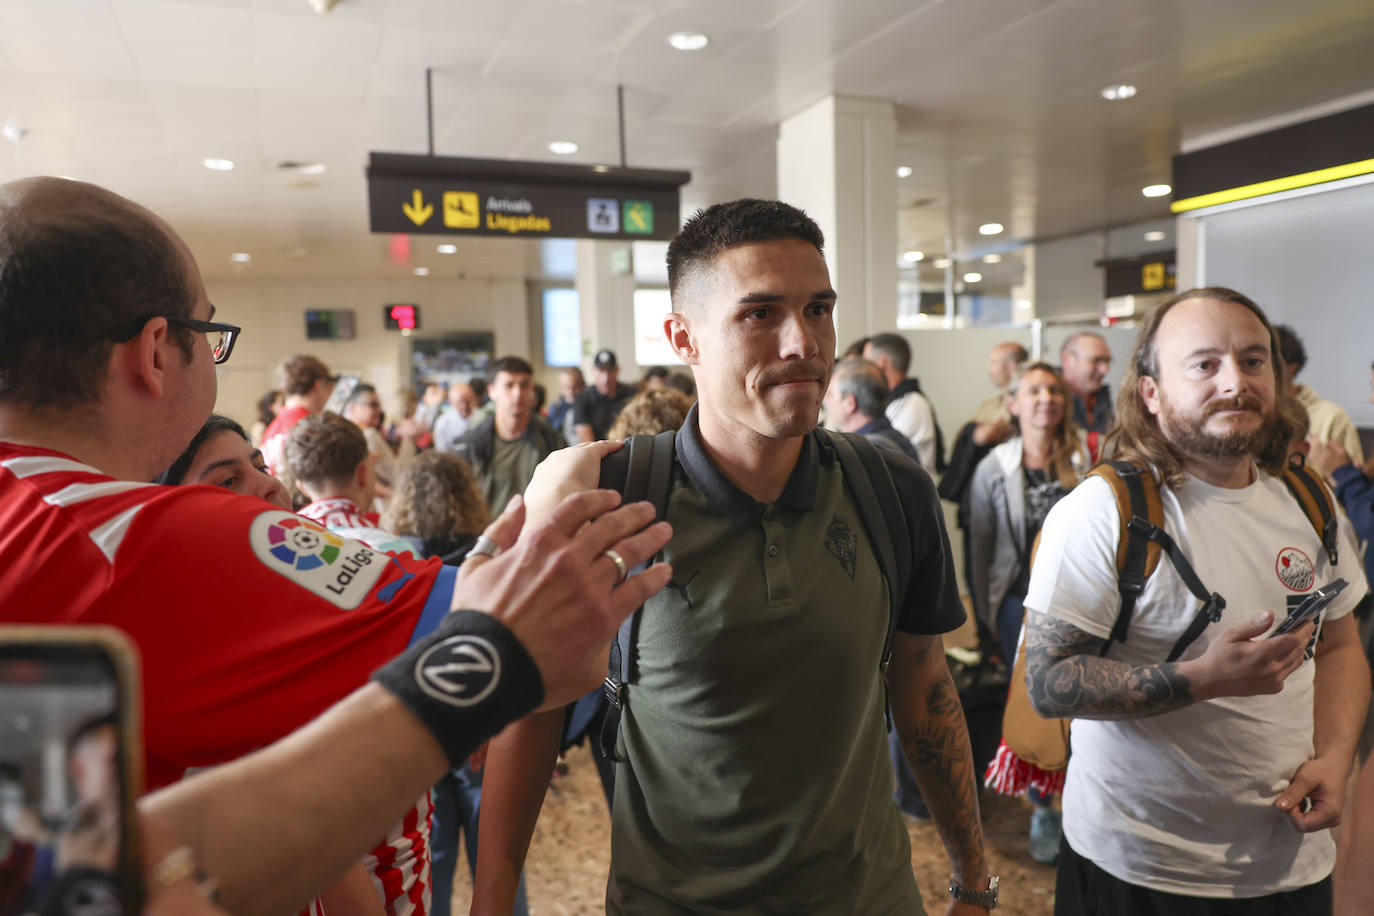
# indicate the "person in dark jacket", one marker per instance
pixel 505 448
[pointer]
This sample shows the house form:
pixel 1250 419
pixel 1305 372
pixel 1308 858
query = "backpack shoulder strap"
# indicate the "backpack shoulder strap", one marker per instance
pixel 642 470
pixel 880 508
pixel 1137 556
pixel 1143 540
pixel 1315 501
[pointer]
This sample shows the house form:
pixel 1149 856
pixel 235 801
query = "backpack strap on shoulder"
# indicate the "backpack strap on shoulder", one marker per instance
pixel 642 470
pixel 1143 540
pixel 1315 501
pixel 880 507
pixel 1141 511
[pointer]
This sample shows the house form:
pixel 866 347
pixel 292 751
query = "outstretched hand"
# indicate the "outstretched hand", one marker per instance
pixel 556 589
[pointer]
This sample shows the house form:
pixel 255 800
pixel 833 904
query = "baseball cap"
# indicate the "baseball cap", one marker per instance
pixel 605 359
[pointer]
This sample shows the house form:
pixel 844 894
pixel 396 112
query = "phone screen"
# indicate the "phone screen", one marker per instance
pixel 64 845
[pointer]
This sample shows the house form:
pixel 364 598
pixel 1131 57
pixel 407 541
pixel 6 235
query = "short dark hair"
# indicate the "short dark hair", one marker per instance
pixel 740 222
pixel 360 391
pixel 75 268
pixel 89 727
pixel 856 348
pixel 300 373
pixel 176 472
pixel 1291 348
pixel 895 348
pixel 865 381
pixel 511 364
pixel 325 448
pixel 265 403
pixel 656 372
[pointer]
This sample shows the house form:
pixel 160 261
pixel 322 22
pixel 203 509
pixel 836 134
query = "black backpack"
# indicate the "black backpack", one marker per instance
pixel 645 469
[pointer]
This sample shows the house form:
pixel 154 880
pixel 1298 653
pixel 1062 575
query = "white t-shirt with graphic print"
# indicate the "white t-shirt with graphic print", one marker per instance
pixel 1184 802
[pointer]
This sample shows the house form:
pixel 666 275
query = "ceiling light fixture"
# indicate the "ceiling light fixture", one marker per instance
pixel 218 165
pixel 1156 190
pixel 601 168
pixel 563 147
pixel 1155 235
pixel 972 277
pixel 903 171
pixel 688 41
pixel 942 263
pixel 240 257
pixel 446 248
pixel 990 229
pixel 992 259
pixel 1119 92
pixel 421 271
pixel 913 256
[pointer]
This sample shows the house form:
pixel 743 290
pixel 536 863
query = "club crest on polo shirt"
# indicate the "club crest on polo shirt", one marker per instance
pixel 1294 569
pixel 339 570
pixel 843 545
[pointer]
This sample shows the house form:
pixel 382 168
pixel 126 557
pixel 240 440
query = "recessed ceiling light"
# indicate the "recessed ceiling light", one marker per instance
pixel 240 257
pixel 1118 92
pixel 601 168
pixel 913 256
pixel 972 277
pixel 992 259
pixel 688 41
pixel 421 271
pixel 903 171
pixel 990 229
pixel 446 248
pixel 1155 235
pixel 218 165
pixel 563 147
pixel 942 263
pixel 1156 190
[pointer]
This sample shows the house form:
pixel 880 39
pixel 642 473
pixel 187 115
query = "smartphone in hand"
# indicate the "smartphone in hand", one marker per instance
pixel 1311 606
pixel 70 772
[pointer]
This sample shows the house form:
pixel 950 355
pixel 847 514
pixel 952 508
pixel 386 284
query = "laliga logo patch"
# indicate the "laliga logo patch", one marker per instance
pixel 340 570
pixel 1294 569
pixel 460 670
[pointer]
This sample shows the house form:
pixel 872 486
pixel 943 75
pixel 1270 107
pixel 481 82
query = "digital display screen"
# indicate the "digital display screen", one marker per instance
pixel 401 317
pixel 329 324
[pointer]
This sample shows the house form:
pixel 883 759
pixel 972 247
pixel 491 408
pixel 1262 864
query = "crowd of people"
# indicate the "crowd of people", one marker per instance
pixel 361 635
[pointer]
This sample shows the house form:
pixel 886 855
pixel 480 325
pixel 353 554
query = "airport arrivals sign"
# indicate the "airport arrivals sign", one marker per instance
pixel 446 195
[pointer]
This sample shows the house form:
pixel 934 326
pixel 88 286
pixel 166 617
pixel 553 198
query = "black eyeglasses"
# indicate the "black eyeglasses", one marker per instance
pixel 221 336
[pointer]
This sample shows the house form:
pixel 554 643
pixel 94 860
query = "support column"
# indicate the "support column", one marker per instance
pixel 837 160
pixel 606 293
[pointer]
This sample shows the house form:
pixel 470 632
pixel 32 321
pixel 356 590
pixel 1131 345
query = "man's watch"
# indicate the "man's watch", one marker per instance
pixel 986 899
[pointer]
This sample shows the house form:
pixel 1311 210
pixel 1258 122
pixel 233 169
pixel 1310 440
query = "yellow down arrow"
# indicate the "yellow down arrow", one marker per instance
pixel 417 209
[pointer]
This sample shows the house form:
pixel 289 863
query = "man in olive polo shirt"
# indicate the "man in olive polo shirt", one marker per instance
pixel 754 774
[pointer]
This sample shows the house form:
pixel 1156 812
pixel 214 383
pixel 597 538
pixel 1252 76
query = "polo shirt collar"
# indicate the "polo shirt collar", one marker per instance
pixel 730 500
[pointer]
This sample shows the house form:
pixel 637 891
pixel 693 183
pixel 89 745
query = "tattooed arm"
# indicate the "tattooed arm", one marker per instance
pixel 1066 678
pixel 930 722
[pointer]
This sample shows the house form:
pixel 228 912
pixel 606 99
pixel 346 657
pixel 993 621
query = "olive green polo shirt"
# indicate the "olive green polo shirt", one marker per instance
pixel 756 777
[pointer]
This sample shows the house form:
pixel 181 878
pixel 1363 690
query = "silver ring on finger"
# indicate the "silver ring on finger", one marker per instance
pixel 484 546
pixel 619 562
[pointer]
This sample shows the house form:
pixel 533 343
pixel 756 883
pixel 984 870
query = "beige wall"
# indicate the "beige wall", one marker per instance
pixel 272 315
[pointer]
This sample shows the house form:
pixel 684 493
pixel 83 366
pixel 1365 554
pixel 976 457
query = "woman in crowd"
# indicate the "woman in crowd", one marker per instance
pixel 221 455
pixel 650 411
pixel 1012 492
pixel 269 405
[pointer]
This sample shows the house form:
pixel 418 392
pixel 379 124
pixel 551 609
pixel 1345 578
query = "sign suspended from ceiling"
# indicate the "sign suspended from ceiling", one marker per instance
pixel 447 195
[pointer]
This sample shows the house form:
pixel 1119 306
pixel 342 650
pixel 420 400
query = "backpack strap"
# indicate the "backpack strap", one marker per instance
pixel 1143 540
pixel 642 470
pixel 1315 501
pixel 1137 497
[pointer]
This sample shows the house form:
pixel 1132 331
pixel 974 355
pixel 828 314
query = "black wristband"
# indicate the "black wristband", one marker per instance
pixel 466 681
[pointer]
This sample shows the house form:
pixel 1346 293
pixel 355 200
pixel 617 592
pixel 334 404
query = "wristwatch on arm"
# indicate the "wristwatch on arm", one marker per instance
pixel 987 899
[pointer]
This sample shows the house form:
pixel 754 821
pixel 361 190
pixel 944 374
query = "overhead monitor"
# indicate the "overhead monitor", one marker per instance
pixel 401 317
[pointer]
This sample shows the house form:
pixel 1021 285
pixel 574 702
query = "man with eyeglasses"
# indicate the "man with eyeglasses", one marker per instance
pixel 250 620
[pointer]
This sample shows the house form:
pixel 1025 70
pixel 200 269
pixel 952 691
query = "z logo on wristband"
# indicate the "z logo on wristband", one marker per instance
pixel 460 670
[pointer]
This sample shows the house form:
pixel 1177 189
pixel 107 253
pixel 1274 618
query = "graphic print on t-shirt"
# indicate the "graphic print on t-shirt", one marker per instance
pixel 1294 569
pixel 339 570
pixel 842 544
